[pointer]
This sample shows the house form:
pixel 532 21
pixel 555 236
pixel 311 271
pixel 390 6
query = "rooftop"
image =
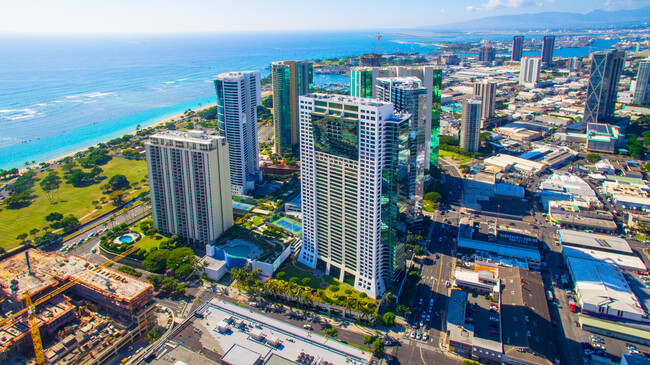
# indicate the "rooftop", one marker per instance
pixel 525 316
pixel 596 241
pixel 50 269
pixel 599 283
pixel 348 99
pixel 224 332
pixel 189 136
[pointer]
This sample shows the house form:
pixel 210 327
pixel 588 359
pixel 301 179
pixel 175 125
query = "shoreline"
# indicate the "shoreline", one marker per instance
pixel 155 124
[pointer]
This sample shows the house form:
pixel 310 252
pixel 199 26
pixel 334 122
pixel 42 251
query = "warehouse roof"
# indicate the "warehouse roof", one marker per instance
pixel 595 241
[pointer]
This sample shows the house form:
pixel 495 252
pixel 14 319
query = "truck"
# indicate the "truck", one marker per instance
pixel 549 295
pixel 572 305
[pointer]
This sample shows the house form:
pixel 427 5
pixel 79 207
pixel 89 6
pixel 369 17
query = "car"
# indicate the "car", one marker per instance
pixel 418 337
pixel 253 304
pixel 495 319
pixel 494 332
pixel 447 284
pixel 431 301
pixel 421 323
pixel 388 342
pixel 425 336
pixel 94 250
pixel 307 327
pixel 412 335
pixel 420 301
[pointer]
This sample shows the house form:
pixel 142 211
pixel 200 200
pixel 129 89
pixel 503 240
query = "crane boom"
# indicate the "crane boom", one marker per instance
pixel 379 37
pixel 30 307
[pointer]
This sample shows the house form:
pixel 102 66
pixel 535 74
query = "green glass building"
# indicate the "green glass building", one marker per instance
pixel 290 80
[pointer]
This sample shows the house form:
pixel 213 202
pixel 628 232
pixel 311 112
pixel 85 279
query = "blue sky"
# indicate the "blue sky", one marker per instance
pixel 153 16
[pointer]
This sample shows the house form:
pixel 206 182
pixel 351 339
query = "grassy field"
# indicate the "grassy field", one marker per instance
pixel 147 242
pixel 70 200
pixel 459 159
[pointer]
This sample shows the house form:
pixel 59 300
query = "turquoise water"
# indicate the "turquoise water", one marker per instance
pixel 289 225
pixel 238 251
pixel 60 94
pixel 125 239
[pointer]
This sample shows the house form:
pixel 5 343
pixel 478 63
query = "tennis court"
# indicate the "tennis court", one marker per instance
pixel 288 224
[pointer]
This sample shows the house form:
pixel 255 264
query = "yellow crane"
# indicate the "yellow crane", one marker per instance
pixel 30 307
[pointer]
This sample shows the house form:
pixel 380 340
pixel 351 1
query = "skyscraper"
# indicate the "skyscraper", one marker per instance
pixel 605 71
pixel 517 47
pixel 486 54
pixel 189 177
pixel 529 71
pixel 363 83
pixel 470 125
pixel 409 96
pixel 353 152
pixel 488 92
pixel 641 92
pixel 238 95
pixel 290 80
pixel 547 49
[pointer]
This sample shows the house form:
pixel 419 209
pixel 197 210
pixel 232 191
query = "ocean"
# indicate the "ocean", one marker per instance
pixel 60 94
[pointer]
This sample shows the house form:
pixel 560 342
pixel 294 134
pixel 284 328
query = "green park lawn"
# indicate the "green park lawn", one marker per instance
pixel 147 242
pixel 459 159
pixel 69 200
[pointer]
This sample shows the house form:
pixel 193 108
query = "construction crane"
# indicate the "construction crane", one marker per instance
pixel 379 37
pixel 30 307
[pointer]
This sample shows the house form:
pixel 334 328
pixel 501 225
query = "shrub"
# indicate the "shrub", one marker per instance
pixel 333 288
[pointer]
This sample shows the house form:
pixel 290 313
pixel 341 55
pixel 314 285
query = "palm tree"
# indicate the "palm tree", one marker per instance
pixel 389 298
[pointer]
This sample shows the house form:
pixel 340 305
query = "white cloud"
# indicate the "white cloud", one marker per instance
pixel 498 4
pixel 442 10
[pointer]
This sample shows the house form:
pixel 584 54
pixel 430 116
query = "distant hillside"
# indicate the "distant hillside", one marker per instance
pixel 554 20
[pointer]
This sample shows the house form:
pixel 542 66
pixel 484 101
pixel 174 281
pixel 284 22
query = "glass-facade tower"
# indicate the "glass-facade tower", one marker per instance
pixel 290 80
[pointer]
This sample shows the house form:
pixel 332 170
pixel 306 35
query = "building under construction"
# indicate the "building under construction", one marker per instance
pixel 36 273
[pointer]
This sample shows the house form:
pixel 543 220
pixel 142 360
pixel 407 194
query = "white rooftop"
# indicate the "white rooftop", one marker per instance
pixel 624 262
pixel 601 284
pixel 293 340
pixel 596 241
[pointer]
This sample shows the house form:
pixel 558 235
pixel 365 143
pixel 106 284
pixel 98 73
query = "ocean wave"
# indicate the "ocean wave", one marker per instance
pixel 169 82
pixel 90 95
pixel 17 114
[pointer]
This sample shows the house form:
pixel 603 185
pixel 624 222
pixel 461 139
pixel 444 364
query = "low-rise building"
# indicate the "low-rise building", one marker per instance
pixel 603 137
pixel 603 291
pixel 568 187
pixel 593 241
pixel 566 214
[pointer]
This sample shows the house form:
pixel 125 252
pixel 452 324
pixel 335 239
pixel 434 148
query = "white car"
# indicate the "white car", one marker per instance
pixel 425 337
pixel 412 335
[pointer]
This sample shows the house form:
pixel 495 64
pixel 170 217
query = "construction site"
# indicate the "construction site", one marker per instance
pixel 84 312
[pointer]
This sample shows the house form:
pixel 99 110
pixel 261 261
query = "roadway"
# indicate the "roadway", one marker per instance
pixel 432 291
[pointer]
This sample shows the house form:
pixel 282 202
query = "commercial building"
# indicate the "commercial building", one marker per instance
pixel 570 188
pixel 505 163
pixel 470 127
pixel 641 91
pixel 487 91
pixel 354 169
pixel 529 71
pixel 517 47
pixel 238 95
pixel 566 214
pixel 604 138
pixel 548 46
pixel 525 318
pixel 189 179
pixel 622 261
pixel 363 83
pixel 602 91
pixel 603 291
pixel 593 241
pixel 290 80
pixel 239 336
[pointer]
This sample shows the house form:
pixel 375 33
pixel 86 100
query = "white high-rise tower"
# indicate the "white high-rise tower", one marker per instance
pixel 189 177
pixel 238 95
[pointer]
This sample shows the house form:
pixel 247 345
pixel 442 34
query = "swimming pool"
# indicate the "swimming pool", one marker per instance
pixel 292 226
pixel 238 251
pixel 125 239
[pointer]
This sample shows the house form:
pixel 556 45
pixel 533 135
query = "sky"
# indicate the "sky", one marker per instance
pixel 163 16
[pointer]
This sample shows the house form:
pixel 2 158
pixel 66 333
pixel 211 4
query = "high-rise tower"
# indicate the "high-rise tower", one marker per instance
pixel 602 91
pixel 641 91
pixel 517 47
pixel 529 71
pixel 487 91
pixel 547 49
pixel 353 152
pixel 189 177
pixel 290 80
pixel 238 95
pixel 470 125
